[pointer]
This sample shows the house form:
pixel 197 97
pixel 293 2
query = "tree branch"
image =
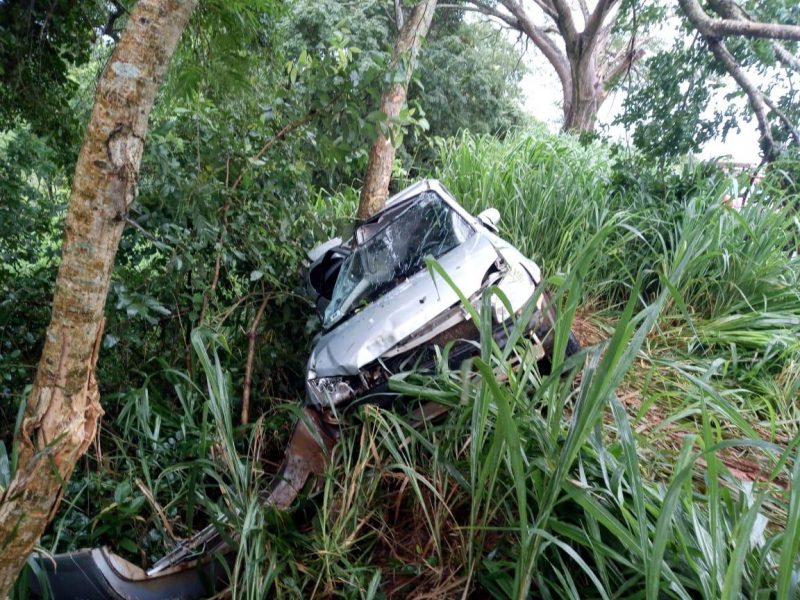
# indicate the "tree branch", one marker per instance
pixel 252 333
pixel 108 28
pixel 285 130
pixel 565 22
pixel 398 15
pixel 730 10
pixel 621 64
pixel 543 42
pixel 584 10
pixel 547 7
pixel 754 95
pixel 759 102
pixel 720 28
pixel 484 9
pixel 597 18
pixel 789 60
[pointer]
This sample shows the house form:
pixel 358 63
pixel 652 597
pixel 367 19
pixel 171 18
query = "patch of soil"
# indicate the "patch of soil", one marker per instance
pixel 587 332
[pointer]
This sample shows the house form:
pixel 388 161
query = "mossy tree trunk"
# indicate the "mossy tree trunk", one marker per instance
pixel 63 408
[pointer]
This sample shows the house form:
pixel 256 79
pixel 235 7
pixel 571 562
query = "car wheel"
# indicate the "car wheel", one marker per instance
pixel 545 331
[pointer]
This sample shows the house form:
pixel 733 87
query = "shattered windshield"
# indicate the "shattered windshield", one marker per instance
pixel 428 226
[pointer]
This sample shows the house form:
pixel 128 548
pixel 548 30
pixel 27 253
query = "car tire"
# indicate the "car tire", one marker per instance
pixel 545 332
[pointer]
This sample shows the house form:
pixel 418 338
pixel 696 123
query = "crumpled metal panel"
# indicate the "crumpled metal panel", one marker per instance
pixel 400 312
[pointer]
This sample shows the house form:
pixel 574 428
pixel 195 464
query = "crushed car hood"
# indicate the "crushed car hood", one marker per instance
pixel 402 311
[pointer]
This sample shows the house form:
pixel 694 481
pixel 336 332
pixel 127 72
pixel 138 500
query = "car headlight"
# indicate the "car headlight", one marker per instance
pixel 518 287
pixel 329 391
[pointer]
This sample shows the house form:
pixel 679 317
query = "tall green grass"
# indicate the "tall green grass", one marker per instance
pixel 554 193
pixel 614 476
pixel 739 300
pixel 536 485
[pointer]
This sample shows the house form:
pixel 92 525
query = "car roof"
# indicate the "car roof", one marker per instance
pixel 416 189
pixel 408 193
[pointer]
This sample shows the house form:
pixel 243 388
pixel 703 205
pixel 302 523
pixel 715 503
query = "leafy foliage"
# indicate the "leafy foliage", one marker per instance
pixel 469 79
pixel 684 86
pixel 682 99
pixel 32 188
pixel 625 481
pixel 40 42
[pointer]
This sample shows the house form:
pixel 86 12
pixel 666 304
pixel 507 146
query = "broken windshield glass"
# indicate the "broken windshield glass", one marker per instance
pixel 427 227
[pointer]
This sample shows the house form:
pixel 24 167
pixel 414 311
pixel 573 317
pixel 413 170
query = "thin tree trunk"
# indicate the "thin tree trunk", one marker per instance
pixel 381 156
pixel 252 334
pixel 64 404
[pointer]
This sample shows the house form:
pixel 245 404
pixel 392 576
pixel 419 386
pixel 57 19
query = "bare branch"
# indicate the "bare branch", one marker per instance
pixel 598 17
pixel 720 28
pixel 584 10
pixel 565 22
pixel 546 5
pixel 544 43
pixel 789 60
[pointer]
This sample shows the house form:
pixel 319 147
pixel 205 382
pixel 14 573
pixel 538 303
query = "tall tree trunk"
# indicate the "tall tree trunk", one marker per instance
pixel 588 94
pixel 381 156
pixel 63 408
pixel 586 65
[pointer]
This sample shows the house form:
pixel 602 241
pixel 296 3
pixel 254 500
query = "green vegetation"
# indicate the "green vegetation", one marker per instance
pixel 665 466
pixel 661 462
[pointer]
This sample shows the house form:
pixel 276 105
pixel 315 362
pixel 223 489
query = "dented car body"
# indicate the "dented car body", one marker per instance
pixel 383 311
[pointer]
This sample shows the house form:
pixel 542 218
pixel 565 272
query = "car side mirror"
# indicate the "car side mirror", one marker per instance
pixel 490 218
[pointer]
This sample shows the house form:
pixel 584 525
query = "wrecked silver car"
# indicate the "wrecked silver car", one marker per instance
pixel 383 312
